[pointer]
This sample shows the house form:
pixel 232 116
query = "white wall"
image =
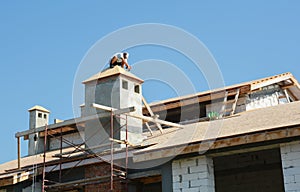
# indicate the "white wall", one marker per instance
pixel 193 175
pixel 290 157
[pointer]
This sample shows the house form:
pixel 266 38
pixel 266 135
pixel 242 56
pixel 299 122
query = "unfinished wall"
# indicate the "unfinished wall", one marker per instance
pixel 117 92
pixel 193 174
pixel 248 172
pixel 75 138
pixel 290 156
pixel 268 96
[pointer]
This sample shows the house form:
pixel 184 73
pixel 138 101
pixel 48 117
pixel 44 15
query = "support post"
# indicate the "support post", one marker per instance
pixel 19 152
pixel 126 160
pixel 44 159
pixel 60 159
pixel 111 152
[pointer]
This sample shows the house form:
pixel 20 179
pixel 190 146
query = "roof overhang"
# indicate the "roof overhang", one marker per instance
pixel 277 135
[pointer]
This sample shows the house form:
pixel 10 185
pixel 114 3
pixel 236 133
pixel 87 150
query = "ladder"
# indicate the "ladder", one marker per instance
pixel 229 106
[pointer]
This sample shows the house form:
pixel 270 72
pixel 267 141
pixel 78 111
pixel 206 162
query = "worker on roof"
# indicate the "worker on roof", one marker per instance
pixel 120 59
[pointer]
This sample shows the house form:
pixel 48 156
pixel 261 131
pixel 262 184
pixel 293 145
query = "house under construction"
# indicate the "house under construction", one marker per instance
pixel 244 137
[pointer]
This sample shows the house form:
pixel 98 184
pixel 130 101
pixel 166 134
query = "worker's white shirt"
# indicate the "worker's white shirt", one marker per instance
pixel 119 57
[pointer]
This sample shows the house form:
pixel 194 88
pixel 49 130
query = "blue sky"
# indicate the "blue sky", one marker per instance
pixel 42 44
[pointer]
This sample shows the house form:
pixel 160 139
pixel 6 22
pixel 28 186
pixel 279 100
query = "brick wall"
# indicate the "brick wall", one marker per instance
pixel 290 157
pixel 193 175
pixel 101 169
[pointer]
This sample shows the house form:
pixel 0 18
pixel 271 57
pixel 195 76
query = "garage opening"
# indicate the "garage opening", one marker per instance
pixel 248 172
pixel 146 184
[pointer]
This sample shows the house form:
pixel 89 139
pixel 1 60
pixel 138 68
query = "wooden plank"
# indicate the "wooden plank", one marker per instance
pixel 6 181
pixel 125 110
pixel 151 114
pixel 121 141
pixel 150 119
pixel 148 127
pixel 197 98
pixel 114 110
pixel 230 101
pixel 57 131
pixel 62 124
pixel 266 82
pixel 287 96
pixel 147 107
pixel 235 101
pixel 69 122
pixel 224 105
pixel 145 118
pixel 190 101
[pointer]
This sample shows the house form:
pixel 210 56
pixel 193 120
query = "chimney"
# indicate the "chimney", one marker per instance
pixel 38 117
pixel 116 88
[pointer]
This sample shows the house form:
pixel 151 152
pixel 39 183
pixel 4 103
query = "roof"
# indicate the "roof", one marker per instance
pixel 39 108
pixel 256 120
pixel 117 70
pixel 286 80
pixel 248 122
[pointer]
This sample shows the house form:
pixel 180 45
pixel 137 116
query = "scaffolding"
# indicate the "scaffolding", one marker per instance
pixel 117 172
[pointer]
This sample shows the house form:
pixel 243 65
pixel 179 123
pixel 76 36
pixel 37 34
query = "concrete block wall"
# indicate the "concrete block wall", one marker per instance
pixel 193 174
pixel 290 158
pixel 75 138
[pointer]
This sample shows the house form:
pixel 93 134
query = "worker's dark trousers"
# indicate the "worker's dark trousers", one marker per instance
pixel 114 64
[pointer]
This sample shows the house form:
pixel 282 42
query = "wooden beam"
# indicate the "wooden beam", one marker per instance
pixel 57 131
pixel 125 110
pixel 70 122
pixel 192 100
pixel 152 115
pixel 114 110
pixel 149 128
pixel 198 98
pixel 145 118
pixel 147 107
pixel 6 181
pixel 121 141
pixel 270 81
pixel 150 119
pixel 235 99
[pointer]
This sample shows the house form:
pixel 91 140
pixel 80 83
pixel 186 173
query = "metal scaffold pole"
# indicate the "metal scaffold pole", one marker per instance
pixel 44 159
pixel 126 160
pixel 111 152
